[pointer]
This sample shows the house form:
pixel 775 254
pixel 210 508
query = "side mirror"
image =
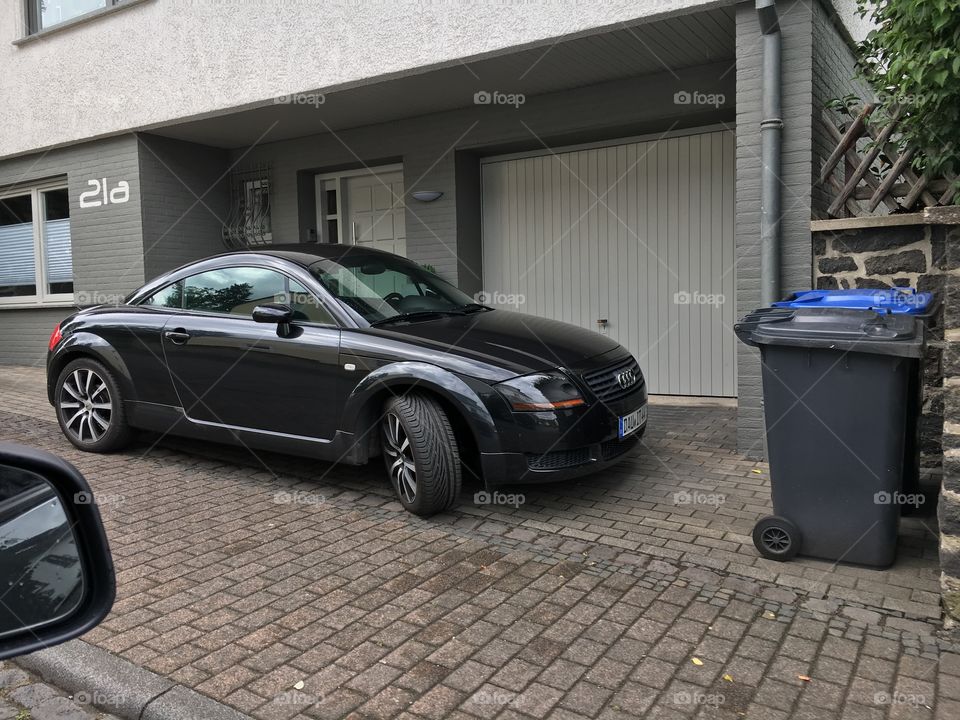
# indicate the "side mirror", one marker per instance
pixel 276 313
pixel 58 578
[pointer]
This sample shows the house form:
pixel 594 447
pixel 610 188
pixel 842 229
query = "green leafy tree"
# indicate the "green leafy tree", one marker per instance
pixel 219 299
pixel 912 61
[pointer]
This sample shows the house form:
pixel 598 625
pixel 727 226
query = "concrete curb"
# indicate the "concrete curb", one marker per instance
pixel 117 686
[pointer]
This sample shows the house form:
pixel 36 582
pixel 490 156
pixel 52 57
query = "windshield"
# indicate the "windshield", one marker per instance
pixel 378 287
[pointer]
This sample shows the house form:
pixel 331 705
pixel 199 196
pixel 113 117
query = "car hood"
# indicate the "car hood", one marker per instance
pixel 507 340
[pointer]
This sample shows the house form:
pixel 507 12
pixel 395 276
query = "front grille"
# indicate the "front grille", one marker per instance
pixel 559 459
pixel 604 384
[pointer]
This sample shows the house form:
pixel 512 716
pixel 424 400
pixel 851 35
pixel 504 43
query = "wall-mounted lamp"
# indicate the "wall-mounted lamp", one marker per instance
pixel 427 195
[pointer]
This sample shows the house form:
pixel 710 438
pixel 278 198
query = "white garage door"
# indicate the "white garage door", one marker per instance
pixel 639 234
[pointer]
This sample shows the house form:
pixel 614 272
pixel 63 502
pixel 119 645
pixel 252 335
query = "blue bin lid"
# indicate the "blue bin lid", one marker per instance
pixel 894 300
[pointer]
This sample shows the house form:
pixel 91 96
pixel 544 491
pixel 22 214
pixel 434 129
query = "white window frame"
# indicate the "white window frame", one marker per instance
pixel 33 12
pixel 42 298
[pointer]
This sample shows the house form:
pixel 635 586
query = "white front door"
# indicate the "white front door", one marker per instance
pixel 374 212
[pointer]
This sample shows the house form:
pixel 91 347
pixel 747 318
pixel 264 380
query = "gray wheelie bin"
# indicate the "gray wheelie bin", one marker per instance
pixel 836 389
pixel 898 300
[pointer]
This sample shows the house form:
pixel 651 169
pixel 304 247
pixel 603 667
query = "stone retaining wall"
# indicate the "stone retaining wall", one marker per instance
pixel 948 510
pixel 899 256
pixel 925 256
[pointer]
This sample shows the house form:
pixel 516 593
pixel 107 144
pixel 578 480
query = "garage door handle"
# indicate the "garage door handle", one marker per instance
pixel 177 337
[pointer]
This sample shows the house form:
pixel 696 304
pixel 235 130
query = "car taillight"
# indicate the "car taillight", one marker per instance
pixel 55 337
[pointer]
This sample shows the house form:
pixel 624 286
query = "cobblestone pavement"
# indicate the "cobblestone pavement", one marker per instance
pixel 24 697
pixel 288 588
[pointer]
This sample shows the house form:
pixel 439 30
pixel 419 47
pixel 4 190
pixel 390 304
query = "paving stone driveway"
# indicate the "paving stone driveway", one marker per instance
pixel 287 588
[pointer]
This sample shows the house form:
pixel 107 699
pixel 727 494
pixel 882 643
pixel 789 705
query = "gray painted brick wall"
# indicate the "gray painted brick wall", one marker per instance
pixel 184 201
pixel 834 76
pixel 107 250
pixel 24 334
pixel 796 273
pixel 817 65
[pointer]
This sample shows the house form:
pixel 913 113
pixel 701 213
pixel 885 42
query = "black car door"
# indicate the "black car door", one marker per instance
pixel 229 370
pixel 136 333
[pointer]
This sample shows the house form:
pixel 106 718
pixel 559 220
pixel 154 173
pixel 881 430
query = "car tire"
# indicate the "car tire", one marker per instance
pixel 89 407
pixel 418 439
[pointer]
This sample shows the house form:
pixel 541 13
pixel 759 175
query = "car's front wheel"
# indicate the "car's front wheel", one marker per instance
pixel 90 408
pixel 421 454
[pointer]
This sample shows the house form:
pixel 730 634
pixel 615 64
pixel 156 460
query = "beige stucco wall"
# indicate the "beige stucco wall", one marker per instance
pixel 160 60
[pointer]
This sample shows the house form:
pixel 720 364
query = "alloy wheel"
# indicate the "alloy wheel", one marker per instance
pixel 401 465
pixel 85 405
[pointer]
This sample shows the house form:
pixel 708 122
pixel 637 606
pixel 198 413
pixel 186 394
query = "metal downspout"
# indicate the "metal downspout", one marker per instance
pixel 771 131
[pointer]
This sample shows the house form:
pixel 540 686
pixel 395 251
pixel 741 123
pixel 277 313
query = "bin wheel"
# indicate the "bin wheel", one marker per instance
pixel 776 538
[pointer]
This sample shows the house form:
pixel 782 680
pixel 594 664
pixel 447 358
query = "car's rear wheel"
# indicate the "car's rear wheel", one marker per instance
pixel 421 454
pixel 90 408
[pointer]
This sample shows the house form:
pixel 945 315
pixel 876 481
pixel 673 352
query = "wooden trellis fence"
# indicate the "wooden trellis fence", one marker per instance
pixel 877 170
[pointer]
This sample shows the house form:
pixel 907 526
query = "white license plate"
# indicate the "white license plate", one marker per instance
pixel 629 424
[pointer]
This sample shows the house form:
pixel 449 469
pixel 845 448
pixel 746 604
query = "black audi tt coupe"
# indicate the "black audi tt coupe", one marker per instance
pixel 343 353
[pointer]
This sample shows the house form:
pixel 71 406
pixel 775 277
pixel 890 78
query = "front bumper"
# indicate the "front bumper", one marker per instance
pixel 513 468
pixel 533 447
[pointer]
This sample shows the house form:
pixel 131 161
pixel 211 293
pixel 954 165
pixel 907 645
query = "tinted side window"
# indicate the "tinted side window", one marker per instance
pixel 170 297
pixel 233 290
pixel 306 306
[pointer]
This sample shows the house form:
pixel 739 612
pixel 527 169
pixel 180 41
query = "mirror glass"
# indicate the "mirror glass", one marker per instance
pixel 41 575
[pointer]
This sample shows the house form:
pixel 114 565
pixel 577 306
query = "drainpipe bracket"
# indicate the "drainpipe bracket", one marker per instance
pixel 771 124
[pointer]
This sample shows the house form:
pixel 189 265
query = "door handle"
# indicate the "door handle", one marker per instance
pixel 178 336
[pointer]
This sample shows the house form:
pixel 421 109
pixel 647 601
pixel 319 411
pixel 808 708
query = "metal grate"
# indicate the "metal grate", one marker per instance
pixel 604 384
pixel 612 448
pixel 249 221
pixel 559 459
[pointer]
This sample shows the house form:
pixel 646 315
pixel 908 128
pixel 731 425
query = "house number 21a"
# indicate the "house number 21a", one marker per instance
pixel 101 195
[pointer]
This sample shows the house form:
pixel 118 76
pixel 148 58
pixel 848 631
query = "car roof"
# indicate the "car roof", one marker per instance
pixel 307 254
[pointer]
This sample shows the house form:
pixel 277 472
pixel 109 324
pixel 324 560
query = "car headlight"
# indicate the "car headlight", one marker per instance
pixel 540 391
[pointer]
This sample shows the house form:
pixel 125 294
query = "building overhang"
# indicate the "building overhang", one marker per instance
pixel 668 47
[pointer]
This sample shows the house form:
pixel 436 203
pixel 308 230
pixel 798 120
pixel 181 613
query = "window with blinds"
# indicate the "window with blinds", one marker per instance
pixel 36 260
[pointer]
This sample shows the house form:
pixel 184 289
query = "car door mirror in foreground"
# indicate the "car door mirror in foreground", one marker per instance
pixel 277 313
pixel 56 573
